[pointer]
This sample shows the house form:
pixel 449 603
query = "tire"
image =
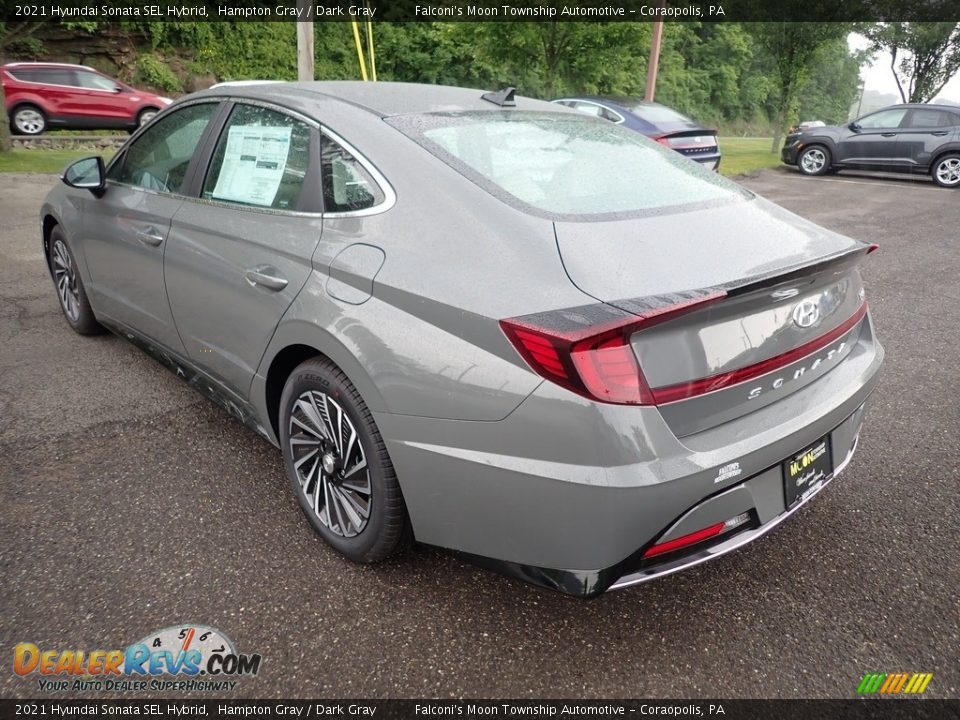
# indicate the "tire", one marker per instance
pixel 335 480
pixel 28 120
pixel 145 116
pixel 69 285
pixel 945 170
pixel 814 160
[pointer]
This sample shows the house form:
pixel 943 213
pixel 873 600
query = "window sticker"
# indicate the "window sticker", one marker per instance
pixel 253 164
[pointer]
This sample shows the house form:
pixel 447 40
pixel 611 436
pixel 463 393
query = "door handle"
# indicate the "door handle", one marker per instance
pixel 266 276
pixel 940 134
pixel 148 237
pixel 888 134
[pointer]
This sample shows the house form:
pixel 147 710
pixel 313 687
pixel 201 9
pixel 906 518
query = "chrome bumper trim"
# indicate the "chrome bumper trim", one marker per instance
pixel 738 540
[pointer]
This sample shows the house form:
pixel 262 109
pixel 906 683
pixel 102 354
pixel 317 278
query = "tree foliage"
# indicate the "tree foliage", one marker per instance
pixel 793 49
pixel 923 55
pixel 729 74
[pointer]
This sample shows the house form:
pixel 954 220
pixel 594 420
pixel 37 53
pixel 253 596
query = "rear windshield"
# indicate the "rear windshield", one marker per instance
pixel 567 165
pixel 651 112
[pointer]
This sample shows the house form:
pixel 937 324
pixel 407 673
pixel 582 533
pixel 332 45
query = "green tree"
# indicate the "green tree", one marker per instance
pixel 923 55
pixel 792 49
pixel 832 85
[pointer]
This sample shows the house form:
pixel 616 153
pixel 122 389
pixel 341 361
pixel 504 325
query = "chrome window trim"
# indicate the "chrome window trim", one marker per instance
pixel 620 118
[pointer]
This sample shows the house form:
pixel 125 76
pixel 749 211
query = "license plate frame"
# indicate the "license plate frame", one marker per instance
pixel 807 471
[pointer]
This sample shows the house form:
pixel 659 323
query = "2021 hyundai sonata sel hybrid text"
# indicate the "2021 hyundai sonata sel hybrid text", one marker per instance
pixel 480 321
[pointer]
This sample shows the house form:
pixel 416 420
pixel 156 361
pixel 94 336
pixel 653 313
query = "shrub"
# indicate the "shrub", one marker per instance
pixel 151 70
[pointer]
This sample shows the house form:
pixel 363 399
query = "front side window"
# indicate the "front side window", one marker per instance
pixel 95 82
pixel 562 164
pixel 883 119
pixel 347 186
pixel 159 159
pixel 261 160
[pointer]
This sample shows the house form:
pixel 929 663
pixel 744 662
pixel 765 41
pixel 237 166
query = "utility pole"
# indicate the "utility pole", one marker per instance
pixel 305 40
pixel 654 54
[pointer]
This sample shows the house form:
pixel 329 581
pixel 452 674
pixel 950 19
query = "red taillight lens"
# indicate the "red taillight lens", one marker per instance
pixel 665 141
pixel 588 351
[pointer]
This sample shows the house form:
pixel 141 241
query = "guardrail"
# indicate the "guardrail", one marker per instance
pixel 67 142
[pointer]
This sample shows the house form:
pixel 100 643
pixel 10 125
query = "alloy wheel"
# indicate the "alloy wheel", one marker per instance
pixel 29 121
pixel 948 171
pixel 330 463
pixel 813 160
pixel 65 276
pixel 147 117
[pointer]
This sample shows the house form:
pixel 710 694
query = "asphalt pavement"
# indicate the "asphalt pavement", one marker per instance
pixel 129 503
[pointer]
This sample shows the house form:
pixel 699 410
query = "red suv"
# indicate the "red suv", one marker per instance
pixel 42 95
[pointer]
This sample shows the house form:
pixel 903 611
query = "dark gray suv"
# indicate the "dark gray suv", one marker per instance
pixel 922 139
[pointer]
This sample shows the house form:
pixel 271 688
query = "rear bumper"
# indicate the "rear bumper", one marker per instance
pixel 739 539
pixel 567 493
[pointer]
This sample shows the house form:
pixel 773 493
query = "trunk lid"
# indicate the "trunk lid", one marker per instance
pixel 792 292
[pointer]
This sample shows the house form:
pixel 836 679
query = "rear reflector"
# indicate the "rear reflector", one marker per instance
pixel 696 537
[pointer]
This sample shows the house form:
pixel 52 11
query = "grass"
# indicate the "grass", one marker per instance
pixel 42 161
pixel 743 155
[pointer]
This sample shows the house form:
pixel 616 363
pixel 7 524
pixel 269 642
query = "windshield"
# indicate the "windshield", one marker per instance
pixel 566 164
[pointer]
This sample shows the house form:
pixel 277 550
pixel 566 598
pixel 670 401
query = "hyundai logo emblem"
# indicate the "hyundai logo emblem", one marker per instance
pixel 806 313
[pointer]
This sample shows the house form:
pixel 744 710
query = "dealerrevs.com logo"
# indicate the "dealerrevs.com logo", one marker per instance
pixel 187 657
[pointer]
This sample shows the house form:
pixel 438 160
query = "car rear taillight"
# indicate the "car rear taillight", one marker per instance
pixel 663 141
pixel 591 354
pixel 588 350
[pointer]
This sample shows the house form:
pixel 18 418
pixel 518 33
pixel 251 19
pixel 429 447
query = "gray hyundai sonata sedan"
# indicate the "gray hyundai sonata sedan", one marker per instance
pixel 479 321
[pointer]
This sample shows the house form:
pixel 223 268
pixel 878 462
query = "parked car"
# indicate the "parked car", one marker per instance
pixel 484 322
pixel 656 121
pixel 40 96
pixel 913 138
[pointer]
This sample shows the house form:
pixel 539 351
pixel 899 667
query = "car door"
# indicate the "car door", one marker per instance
pixel 871 141
pixel 240 252
pixel 924 131
pixel 125 231
pixel 102 99
pixel 58 92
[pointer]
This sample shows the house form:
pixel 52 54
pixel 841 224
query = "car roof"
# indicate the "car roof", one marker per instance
pixel 938 106
pixel 385 99
pixel 64 66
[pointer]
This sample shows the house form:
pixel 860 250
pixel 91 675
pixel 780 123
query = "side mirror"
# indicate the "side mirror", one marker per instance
pixel 87 174
pixel 855 126
pixel 118 88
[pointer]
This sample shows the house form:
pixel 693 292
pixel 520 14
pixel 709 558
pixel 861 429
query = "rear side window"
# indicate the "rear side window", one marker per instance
pixel 597 111
pixel 565 165
pixel 930 119
pixel 347 186
pixel 159 159
pixel 48 76
pixel 261 160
